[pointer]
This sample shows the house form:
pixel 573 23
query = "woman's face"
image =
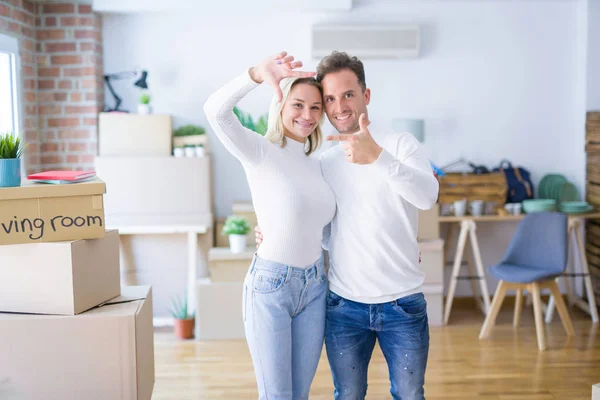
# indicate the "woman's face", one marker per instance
pixel 302 111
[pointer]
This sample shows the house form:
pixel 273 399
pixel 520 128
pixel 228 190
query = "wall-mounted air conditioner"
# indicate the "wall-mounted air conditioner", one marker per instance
pixel 366 41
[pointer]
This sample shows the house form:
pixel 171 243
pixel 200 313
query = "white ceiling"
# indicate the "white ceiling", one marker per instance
pixel 208 7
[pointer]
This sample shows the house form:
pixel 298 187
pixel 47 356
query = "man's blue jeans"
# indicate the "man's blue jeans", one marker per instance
pixel 400 326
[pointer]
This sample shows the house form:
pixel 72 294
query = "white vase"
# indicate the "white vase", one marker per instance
pixel 199 151
pixel 190 152
pixel 237 243
pixel 144 109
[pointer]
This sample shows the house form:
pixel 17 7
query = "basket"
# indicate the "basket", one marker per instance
pixel 490 187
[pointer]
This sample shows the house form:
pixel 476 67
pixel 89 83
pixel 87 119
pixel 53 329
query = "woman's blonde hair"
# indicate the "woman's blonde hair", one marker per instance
pixel 275 130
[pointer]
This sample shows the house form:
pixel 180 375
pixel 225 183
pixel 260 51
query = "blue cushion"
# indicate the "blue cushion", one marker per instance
pixel 522 273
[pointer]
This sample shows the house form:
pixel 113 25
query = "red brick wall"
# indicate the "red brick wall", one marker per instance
pixel 62 80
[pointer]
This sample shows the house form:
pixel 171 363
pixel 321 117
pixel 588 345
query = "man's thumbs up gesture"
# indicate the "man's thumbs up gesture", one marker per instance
pixel 360 148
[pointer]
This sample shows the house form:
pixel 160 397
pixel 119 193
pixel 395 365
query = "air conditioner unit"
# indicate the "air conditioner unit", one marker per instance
pixel 366 41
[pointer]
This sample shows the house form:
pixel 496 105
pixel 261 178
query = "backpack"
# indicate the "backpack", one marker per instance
pixel 518 181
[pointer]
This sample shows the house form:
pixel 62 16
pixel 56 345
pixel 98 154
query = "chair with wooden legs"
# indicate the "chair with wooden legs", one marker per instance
pixel 537 254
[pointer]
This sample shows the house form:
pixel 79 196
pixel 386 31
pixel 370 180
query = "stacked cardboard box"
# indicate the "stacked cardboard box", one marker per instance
pixel 67 330
pixel 134 155
pixel 152 194
pixel 225 284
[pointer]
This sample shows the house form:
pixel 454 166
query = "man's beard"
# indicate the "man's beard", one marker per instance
pixel 351 129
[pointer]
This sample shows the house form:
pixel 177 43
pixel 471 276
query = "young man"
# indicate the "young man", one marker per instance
pixel 379 180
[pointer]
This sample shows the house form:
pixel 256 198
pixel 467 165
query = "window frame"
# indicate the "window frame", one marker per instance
pixel 10 45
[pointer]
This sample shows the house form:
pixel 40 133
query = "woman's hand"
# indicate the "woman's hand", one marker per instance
pixel 275 68
pixel 258 236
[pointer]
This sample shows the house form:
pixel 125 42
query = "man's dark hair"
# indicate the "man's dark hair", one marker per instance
pixel 338 61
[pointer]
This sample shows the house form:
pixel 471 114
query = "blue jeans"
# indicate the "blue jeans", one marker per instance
pixel 402 329
pixel 284 320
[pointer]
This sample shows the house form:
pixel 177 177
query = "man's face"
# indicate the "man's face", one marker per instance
pixel 344 100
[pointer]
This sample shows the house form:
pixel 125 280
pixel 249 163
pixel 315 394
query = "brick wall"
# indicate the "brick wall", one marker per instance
pixel 62 80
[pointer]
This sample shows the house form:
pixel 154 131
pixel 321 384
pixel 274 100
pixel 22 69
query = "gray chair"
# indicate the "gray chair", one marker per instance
pixel 536 256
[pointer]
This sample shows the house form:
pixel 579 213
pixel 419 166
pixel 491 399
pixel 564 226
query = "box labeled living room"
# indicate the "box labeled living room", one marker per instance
pixel 34 213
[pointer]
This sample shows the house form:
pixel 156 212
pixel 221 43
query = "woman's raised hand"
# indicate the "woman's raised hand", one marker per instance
pixel 275 68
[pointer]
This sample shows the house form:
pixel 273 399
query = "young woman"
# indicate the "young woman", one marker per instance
pixel 285 288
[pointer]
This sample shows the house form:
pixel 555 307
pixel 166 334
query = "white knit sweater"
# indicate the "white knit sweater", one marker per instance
pixel 373 243
pixel 291 199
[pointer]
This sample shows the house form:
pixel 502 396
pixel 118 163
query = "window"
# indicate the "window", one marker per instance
pixel 9 104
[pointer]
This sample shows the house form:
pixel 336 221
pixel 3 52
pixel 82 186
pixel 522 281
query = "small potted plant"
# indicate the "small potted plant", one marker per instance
pixel 237 228
pixel 11 150
pixel 193 135
pixel 260 126
pixel 190 150
pixel 179 151
pixel 144 106
pixel 184 323
pixel 199 150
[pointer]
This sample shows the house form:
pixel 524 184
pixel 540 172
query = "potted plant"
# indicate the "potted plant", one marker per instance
pixel 144 106
pixel 246 120
pixel 184 323
pixel 190 150
pixel 200 150
pixel 11 150
pixel 179 151
pixel 237 228
pixel 189 135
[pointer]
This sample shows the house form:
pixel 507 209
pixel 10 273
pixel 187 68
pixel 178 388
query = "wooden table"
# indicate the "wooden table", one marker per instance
pixel 468 228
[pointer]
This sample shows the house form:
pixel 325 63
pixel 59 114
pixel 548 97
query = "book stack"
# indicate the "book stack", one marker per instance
pixel 62 177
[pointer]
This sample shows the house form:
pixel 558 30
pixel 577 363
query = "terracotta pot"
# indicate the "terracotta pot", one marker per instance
pixel 184 328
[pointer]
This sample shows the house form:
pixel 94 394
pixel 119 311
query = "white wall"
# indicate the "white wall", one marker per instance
pixel 593 55
pixel 496 79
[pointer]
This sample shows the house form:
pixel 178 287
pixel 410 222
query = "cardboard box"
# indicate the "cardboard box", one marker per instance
pixel 165 286
pixel 63 278
pixel 121 134
pixel 105 353
pixel 224 266
pixel 432 260
pixel 39 212
pixel 226 320
pixel 246 210
pixel 429 225
pixel 222 240
pixel 434 296
pixel 156 190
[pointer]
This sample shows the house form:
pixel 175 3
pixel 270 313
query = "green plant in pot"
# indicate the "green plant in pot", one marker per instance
pixel 11 150
pixel 237 228
pixel 184 321
pixel 246 120
pixel 192 135
pixel 144 104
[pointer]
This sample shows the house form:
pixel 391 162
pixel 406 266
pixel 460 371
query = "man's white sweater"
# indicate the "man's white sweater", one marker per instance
pixel 374 255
